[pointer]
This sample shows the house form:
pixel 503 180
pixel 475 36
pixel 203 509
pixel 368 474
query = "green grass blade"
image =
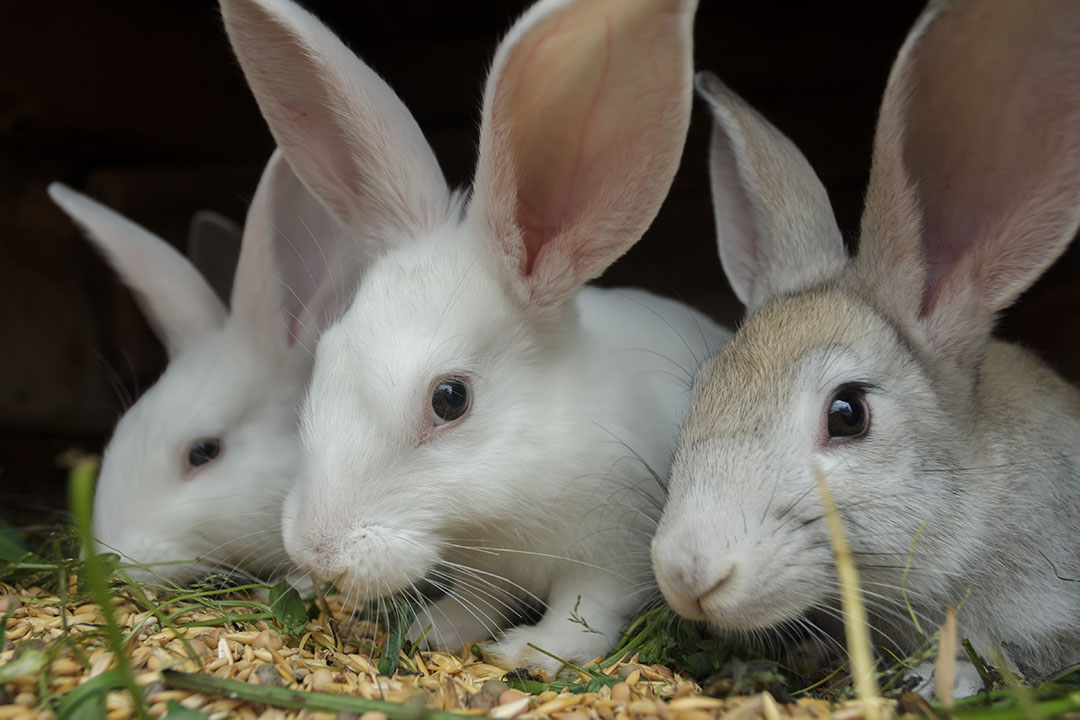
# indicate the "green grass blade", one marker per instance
pixel 3 624
pixel 176 711
pixel 1021 711
pixel 86 700
pixel 300 700
pixel 398 623
pixel 80 500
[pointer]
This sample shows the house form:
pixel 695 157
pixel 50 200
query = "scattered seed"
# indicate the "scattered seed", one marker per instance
pixel 620 692
pixel 320 679
pixel 694 715
pixel 495 688
pixel 223 651
pixel 512 708
pixel 510 696
pixel 562 702
pixel 482 701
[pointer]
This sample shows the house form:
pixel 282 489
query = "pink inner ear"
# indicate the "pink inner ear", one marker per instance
pixel 988 142
pixel 584 120
pixel 551 140
pixel 295 113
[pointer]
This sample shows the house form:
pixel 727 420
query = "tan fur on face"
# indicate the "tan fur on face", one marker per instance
pixel 765 353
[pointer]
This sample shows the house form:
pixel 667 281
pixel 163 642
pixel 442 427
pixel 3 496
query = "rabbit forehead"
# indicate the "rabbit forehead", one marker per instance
pixel 426 309
pixel 790 347
pixel 216 388
pixel 422 312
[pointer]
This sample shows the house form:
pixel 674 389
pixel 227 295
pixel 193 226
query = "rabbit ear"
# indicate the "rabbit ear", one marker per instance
pixel 177 301
pixel 775 227
pixel 975 186
pixel 213 246
pixel 343 130
pixel 584 119
pixel 293 274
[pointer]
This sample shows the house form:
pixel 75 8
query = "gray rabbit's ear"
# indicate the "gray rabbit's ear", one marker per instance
pixel 213 246
pixel 775 227
pixel 180 305
pixel 975 186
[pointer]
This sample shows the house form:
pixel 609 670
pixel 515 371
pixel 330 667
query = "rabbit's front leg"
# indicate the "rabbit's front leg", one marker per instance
pixel 586 609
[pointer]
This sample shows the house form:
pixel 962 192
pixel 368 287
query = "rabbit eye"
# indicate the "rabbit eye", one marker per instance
pixel 849 416
pixel 203 451
pixel 450 400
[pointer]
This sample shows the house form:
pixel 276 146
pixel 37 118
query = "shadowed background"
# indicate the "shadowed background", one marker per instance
pixel 142 106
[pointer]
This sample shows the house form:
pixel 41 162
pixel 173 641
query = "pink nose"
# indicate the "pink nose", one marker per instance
pixel 322 557
pixel 688 577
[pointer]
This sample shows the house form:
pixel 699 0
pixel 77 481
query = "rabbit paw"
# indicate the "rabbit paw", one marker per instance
pixel 967 681
pixel 512 650
pixel 528 647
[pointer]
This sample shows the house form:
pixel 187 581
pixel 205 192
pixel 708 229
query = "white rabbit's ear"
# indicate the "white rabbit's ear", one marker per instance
pixel 584 119
pixel 293 274
pixel 775 227
pixel 177 301
pixel 975 185
pixel 213 246
pixel 344 131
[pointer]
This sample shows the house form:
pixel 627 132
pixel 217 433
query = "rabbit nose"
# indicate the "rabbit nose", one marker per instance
pixel 689 578
pixel 322 557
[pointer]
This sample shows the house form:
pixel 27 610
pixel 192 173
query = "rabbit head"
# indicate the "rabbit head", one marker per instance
pixel 439 406
pixel 881 371
pixel 194 475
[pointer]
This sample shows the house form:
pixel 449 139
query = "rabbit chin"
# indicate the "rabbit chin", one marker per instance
pixel 751 613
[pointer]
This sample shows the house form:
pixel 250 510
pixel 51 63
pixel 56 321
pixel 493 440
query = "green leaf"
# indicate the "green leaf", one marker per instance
pixel 3 625
pixel 288 608
pixel 12 547
pixel 16 560
pixel 27 662
pixel 108 562
pixel 88 700
pixel 93 707
pixel 176 711
pixel 397 625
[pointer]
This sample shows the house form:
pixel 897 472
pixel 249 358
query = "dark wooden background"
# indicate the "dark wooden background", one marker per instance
pixel 141 105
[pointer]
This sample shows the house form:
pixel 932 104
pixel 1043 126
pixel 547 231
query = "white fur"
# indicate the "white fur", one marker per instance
pixel 238 377
pixel 543 491
pixel 971 467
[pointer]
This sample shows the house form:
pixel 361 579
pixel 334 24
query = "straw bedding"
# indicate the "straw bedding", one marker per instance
pixel 58 646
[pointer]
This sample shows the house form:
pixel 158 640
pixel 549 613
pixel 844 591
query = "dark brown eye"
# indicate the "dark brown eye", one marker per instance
pixel 450 401
pixel 203 451
pixel 849 416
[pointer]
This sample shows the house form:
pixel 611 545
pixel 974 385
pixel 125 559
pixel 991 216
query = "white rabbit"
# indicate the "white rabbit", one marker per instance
pixel 194 475
pixel 942 446
pixel 477 419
